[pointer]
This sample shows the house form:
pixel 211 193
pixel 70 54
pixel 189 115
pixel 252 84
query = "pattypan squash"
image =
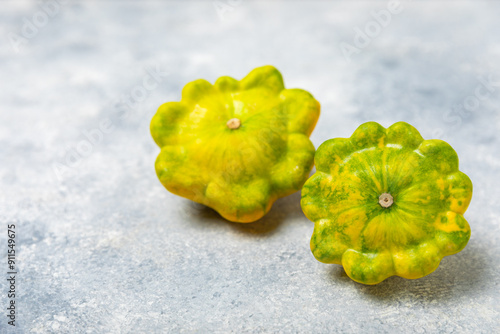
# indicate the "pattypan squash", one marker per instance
pixel 386 202
pixel 236 146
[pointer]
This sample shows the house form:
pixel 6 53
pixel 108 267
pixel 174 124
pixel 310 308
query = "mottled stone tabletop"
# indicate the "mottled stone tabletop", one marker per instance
pixel 102 247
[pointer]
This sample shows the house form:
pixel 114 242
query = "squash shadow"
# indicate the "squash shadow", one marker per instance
pixel 283 209
pixel 461 274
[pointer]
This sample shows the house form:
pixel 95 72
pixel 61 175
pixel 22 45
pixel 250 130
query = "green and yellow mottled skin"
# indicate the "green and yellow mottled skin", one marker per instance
pixel 237 168
pixel 410 237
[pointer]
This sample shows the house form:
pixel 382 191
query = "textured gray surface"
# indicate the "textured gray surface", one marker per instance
pixel 104 248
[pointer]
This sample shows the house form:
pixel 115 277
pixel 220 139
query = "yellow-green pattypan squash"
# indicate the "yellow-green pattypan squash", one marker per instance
pixel 386 202
pixel 236 146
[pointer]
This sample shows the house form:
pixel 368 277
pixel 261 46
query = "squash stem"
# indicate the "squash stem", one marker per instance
pixel 233 123
pixel 385 200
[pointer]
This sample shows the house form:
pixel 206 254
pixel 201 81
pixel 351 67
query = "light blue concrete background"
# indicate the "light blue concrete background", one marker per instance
pixel 104 248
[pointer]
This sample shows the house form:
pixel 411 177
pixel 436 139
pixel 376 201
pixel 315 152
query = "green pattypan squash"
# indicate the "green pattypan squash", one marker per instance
pixel 386 202
pixel 236 146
